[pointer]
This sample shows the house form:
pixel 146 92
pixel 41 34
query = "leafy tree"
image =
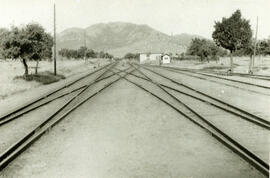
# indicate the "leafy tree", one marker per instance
pixel 199 48
pixel 232 33
pixel 3 34
pixel 41 41
pixel 47 46
pixel 101 54
pixel 264 47
pixel 82 52
pixel 129 56
pixel 205 49
pixel 132 56
pixel 28 43
pixel 108 56
pixel 72 53
pixel 91 53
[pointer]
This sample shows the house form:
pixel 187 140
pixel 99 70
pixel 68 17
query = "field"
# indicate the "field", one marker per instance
pixel 261 65
pixel 10 83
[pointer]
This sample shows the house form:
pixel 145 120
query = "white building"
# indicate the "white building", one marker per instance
pixel 150 57
pixel 166 59
pixel 143 58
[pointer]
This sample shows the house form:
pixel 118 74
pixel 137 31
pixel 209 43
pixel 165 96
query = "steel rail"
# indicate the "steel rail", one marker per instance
pixel 15 116
pixel 215 81
pixel 16 149
pixel 261 124
pixel 211 97
pixel 209 75
pixel 255 76
pixel 209 123
pixel 247 155
pixel 25 105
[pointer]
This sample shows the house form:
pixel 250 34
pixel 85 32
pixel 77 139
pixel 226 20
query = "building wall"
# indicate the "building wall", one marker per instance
pixel 143 58
pixel 150 58
pixel 155 57
pixel 166 59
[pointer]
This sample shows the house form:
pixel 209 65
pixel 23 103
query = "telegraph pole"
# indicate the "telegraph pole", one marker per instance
pixel 251 65
pixel 255 43
pixel 54 35
pixel 84 38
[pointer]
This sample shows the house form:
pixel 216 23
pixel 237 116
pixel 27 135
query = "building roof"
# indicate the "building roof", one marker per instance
pixel 152 53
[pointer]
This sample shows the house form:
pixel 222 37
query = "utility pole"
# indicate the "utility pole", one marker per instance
pixel 54 35
pixel 84 37
pixel 254 54
pixel 251 65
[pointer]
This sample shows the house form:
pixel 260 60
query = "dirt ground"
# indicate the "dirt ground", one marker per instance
pixel 125 132
pixel 10 69
pixel 261 65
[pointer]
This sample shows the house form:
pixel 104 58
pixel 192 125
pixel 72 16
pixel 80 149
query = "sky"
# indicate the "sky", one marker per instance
pixel 168 16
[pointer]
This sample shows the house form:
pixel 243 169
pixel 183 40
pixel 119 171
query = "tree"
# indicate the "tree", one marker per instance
pixel 132 56
pixel 17 46
pixel 47 47
pixel 232 33
pixel 3 35
pixel 101 54
pixel 41 41
pixel 199 47
pixel 129 56
pixel 205 49
pixel 82 52
pixel 264 47
pixel 28 43
pixel 91 53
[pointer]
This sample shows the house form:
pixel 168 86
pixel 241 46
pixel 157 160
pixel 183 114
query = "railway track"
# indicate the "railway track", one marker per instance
pixel 265 124
pixel 207 76
pixel 102 82
pixel 162 91
pixel 215 102
pixel 255 76
pixel 44 101
pixel 259 77
pixel 199 120
pixel 50 93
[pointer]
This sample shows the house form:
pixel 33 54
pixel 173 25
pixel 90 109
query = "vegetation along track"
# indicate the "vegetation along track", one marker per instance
pixel 50 97
pixel 254 76
pixel 22 144
pixel 207 76
pixel 199 120
pixel 259 77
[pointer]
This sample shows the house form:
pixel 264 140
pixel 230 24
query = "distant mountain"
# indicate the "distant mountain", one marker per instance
pixel 119 38
pixel 186 38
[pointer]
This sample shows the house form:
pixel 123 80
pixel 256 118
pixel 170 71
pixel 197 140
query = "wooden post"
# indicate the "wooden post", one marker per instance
pixel 54 34
pixel 84 36
pixel 255 45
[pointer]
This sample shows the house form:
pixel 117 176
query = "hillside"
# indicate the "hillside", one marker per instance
pixel 119 38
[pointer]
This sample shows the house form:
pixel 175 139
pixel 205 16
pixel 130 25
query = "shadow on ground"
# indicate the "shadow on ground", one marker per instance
pixel 45 77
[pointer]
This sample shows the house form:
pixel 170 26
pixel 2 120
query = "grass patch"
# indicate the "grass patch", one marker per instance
pixel 222 67
pixel 215 67
pixel 43 77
